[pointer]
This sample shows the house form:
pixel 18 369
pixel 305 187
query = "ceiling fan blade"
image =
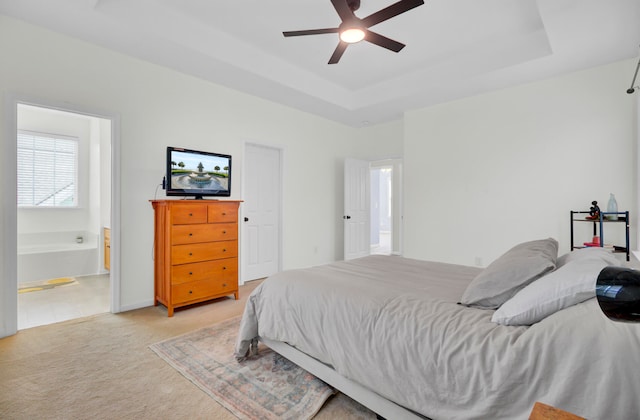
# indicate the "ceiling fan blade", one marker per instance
pixel 311 32
pixel 391 11
pixel 383 41
pixel 337 54
pixel 343 9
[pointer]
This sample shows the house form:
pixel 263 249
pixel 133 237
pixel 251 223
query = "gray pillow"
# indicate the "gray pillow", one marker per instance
pixel 515 269
pixel 589 253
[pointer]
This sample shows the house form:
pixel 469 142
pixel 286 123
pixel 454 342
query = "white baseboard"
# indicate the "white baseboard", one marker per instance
pixel 139 305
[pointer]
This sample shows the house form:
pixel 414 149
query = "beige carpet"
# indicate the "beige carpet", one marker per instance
pixel 100 367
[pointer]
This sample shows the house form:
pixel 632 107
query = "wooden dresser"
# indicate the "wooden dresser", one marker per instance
pixel 195 251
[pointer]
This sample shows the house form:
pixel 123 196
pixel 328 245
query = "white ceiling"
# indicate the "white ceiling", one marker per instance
pixel 455 48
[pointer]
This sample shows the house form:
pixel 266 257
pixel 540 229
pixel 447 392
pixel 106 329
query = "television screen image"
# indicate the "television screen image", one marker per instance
pixel 198 173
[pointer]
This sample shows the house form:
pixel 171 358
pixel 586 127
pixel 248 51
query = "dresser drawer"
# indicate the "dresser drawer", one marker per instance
pixel 184 254
pixel 190 234
pixel 202 289
pixel 223 212
pixel 182 215
pixel 195 251
pixel 225 269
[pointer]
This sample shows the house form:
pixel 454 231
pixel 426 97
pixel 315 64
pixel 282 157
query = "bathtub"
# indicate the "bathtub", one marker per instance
pixel 49 255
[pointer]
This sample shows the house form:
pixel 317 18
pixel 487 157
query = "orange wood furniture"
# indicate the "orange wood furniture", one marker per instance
pixel 107 248
pixel 542 411
pixel 195 251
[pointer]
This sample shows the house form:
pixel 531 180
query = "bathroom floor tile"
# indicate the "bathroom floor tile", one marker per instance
pixel 88 295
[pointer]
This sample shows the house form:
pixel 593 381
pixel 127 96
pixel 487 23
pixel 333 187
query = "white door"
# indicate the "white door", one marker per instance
pixel 261 212
pixel 356 208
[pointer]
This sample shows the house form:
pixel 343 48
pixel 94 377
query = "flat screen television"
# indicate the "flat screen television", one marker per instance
pixel 197 174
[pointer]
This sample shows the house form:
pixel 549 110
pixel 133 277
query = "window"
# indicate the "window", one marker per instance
pixel 47 170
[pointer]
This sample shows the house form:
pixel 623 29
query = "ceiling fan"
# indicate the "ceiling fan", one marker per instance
pixel 353 29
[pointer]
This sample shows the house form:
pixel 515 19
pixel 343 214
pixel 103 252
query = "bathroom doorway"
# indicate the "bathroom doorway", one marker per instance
pixel 63 215
pixel 385 203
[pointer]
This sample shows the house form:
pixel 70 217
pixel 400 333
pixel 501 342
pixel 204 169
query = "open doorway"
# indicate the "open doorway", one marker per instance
pixel 385 207
pixel 63 215
pixel 372 207
pixel 381 195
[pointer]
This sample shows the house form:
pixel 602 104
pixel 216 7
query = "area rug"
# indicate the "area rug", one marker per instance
pixel 266 386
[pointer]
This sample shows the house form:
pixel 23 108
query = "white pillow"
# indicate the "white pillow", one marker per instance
pixel 586 253
pixel 570 284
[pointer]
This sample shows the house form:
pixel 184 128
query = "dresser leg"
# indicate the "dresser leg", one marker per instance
pixel 236 295
pixel 169 311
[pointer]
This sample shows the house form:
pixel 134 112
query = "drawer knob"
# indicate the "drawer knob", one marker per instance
pixel 190 292
pixel 224 214
pixel 190 273
pixel 224 232
pixel 191 253
pixel 190 214
pixel 224 284
pixel 190 234
pixel 224 268
pixel 224 249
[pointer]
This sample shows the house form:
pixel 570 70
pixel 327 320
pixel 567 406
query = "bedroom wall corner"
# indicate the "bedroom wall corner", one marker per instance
pixel 487 172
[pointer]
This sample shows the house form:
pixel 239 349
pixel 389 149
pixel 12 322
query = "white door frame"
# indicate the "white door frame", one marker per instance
pixel 281 151
pixel 9 283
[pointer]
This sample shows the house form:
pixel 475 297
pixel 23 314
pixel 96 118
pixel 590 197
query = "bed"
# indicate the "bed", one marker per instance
pixel 420 339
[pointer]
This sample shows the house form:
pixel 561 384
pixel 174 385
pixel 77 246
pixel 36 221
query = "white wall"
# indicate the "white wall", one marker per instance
pixel 159 107
pixel 487 172
pixel 104 133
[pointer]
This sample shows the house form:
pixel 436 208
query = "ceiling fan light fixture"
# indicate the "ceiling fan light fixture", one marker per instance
pixel 352 35
pixel 353 29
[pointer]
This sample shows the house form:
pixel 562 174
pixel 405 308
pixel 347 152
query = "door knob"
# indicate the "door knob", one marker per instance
pixel 246 219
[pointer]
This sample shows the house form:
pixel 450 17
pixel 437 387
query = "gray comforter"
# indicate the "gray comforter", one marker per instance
pixel 393 325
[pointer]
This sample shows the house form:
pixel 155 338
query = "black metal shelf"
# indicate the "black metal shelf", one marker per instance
pixel 598 227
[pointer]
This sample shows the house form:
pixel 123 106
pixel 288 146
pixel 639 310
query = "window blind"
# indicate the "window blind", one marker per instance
pixel 47 170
